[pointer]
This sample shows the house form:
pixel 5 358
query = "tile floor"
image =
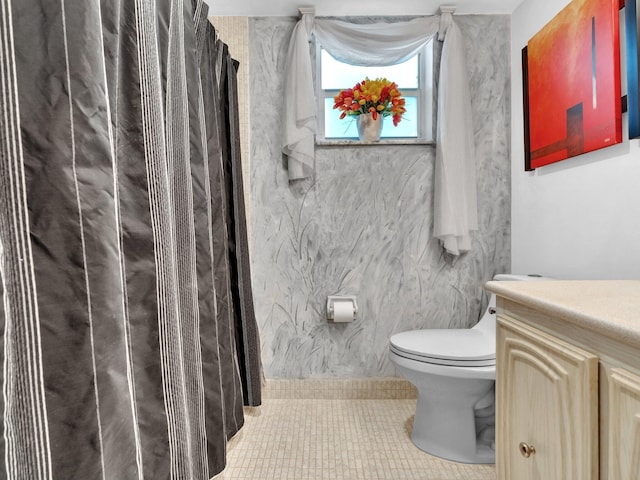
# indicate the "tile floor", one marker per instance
pixel 336 439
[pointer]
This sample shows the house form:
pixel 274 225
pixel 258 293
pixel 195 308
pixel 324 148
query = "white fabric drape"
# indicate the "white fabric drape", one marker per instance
pixel 299 105
pixel 375 44
pixel 455 212
pixel 387 44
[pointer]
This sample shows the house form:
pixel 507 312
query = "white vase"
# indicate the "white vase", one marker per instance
pixel 368 128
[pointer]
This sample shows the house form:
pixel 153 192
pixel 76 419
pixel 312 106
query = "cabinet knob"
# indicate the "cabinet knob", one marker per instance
pixel 526 450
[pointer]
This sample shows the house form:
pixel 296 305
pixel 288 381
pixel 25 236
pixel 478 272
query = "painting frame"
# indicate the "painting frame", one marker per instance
pixel 632 40
pixel 571 84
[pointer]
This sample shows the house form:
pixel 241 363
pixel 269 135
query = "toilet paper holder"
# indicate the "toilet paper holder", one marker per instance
pixel 331 299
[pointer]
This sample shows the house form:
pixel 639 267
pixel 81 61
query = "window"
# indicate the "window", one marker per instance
pixel 414 78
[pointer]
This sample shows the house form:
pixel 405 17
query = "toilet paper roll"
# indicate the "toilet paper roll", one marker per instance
pixel 343 311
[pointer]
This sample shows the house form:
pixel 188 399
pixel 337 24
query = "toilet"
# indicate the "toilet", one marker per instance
pixel 454 371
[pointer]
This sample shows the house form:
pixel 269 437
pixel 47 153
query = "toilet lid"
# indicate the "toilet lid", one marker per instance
pixel 455 347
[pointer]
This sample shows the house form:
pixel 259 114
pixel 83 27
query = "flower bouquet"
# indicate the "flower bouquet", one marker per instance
pixel 377 97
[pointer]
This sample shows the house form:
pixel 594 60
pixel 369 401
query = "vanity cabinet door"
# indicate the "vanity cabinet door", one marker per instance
pixel 546 406
pixel 624 425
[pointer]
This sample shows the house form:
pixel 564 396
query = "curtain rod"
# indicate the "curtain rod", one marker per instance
pixel 311 10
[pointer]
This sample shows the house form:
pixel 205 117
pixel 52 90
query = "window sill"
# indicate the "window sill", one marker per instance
pixel 358 143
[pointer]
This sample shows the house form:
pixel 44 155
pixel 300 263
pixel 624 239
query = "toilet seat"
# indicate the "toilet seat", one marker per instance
pixel 453 347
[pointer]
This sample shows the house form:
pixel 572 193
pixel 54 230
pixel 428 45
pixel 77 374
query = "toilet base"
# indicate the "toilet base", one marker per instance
pixel 445 425
pixel 484 454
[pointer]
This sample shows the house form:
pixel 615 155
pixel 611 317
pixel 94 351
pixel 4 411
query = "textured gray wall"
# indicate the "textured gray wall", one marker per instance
pixel 365 226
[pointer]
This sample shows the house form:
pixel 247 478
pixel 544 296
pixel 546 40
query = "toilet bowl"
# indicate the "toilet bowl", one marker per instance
pixel 454 371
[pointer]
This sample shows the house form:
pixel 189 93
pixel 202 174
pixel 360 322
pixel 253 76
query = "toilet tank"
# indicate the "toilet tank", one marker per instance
pixel 487 323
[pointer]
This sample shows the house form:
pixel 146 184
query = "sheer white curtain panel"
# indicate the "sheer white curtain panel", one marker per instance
pixel 372 44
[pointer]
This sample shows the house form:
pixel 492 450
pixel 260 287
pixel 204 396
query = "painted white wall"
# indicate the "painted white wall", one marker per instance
pixel 579 218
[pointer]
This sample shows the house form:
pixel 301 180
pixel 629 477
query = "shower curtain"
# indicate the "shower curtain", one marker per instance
pixel 128 332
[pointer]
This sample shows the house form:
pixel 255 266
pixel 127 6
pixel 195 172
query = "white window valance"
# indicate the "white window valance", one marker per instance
pixel 455 202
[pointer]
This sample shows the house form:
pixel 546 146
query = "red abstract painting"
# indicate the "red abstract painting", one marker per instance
pixel 572 83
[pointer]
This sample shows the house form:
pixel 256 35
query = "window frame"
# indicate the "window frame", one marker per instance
pixel 425 90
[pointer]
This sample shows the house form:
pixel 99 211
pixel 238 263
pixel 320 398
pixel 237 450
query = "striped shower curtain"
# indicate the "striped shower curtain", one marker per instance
pixel 128 332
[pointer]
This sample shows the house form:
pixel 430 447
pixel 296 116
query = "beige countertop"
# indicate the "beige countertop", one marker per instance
pixel 608 307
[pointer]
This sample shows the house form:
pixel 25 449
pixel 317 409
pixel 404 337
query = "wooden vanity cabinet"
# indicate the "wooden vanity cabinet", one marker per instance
pixel 547 397
pixel 623 424
pixel 567 400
